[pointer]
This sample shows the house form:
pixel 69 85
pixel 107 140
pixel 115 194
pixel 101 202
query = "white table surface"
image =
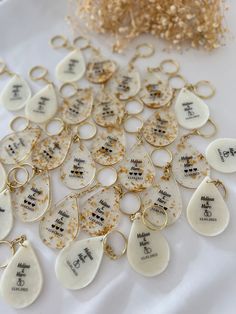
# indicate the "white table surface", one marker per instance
pixel 201 276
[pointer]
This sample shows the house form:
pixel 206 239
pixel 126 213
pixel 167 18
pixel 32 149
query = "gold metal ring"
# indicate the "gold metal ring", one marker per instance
pixel 4 242
pixel 209 121
pixel 133 117
pixel 179 77
pixel 89 137
pixel 38 68
pixel 148 53
pixel 62 126
pixel 26 164
pixel 59 41
pixel 135 212
pixel 219 183
pixel 165 150
pixel 205 83
pixel 81 39
pixel 13 121
pixel 149 224
pixel 102 169
pixel 137 100
pixel 17 183
pixel 70 85
pixel 169 62
pixel 108 249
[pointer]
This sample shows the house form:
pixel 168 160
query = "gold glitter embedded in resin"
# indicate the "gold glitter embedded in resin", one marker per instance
pixel 161 128
pixel 60 225
pixel 100 70
pixel 100 213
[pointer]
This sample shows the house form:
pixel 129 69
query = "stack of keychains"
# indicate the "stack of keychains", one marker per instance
pixel 108 113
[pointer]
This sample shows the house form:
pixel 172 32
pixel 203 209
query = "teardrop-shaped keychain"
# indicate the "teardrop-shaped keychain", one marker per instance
pixel 16 93
pixel 22 279
pixel 44 104
pixel 190 166
pixel 165 193
pixel 72 67
pixel 156 91
pixel 207 212
pixel 17 146
pixel 126 82
pixel 221 154
pixel 3 178
pixel 78 263
pixel 52 150
pixel 76 107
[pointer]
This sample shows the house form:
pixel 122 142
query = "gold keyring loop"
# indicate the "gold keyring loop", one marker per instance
pixel 62 124
pixel 81 39
pixel 208 84
pixel 108 249
pixel 12 122
pixel 133 117
pixel 179 77
pixel 63 42
pixel 134 99
pixel 89 137
pixel 165 150
pixel 102 169
pixel 143 54
pixel 64 86
pixel 17 184
pixel 198 132
pixel 219 183
pixel 169 62
pixel 12 247
pixel 39 77
pixel 135 212
pixel 149 224
pixel 25 164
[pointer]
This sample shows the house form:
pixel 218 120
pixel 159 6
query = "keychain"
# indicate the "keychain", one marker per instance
pixel 190 166
pixel 126 82
pixel 72 67
pixel 17 146
pixel 78 263
pixel 22 280
pixel 207 212
pixel 44 104
pixel 16 93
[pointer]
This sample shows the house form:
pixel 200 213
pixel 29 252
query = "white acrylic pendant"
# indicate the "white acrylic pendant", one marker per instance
pixel 17 146
pixel 78 263
pixel 78 169
pixel 189 166
pixel 3 177
pixel 42 106
pixel 166 195
pixel 156 92
pixel 108 111
pixel 100 70
pixel 51 151
pixel 15 94
pixel 6 216
pixel 22 280
pixel 31 201
pixel 161 129
pixel 100 213
pixel 136 171
pixel 60 225
pixel 191 111
pixel 221 155
pixel 108 147
pixel 148 251
pixel 77 108
pixel 125 84
pixel 71 68
pixel 207 212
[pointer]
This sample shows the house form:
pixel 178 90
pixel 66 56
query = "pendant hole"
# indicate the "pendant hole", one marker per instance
pixel 107 176
pixel 134 106
pixel 6 253
pixel 130 203
pixel 133 124
pixel 86 131
pixel 161 157
pixel 54 127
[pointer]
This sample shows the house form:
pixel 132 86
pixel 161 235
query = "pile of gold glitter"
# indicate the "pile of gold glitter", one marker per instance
pixel 195 23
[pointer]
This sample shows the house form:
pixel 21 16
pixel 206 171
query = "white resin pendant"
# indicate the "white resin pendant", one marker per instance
pixel 136 171
pixel 6 216
pixel 71 68
pixel 156 92
pixel 161 129
pixel 108 147
pixel 191 111
pixel 78 263
pixel 51 151
pixel 77 108
pixel 22 280
pixel 42 106
pixel 166 195
pixel 221 154
pixel 32 200
pixel 100 213
pixel 60 225
pixel 148 251
pixel 3 178
pixel 78 169
pixel 108 111
pixel 125 84
pixel 207 212
pixel 15 94
pixel 189 166
pixel 17 146
pixel 100 70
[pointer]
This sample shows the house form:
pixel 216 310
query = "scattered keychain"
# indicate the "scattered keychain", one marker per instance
pixel 22 280
pixel 16 93
pixel 44 104
pixel 221 155
pixel 207 212
pixel 78 263
pixel 17 146
pixel 72 67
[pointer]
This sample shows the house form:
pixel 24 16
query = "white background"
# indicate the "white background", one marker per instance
pixel 201 276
